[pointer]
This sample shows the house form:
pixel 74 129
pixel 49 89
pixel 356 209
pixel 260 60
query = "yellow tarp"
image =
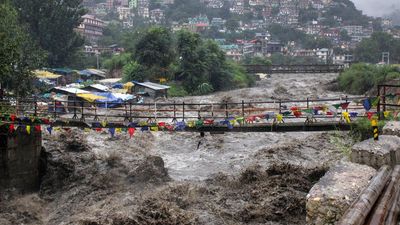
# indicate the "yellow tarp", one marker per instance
pixel 128 85
pixel 46 74
pixel 90 97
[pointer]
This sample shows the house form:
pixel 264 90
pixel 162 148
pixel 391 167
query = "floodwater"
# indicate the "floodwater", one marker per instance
pixel 182 178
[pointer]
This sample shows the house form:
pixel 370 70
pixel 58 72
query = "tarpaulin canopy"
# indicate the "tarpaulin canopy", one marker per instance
pixel 63 71
pixel 118 86
pixel 112 100
pixel 90 97
pixel 42 74
pixel 128 85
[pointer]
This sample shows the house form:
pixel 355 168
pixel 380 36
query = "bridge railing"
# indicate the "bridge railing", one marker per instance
pixel 250 111
pixel 313 68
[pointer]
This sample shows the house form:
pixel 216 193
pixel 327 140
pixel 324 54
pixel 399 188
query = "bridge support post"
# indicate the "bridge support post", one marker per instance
pixel 19 159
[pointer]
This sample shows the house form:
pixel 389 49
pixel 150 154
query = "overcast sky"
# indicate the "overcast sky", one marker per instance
pixel 377 7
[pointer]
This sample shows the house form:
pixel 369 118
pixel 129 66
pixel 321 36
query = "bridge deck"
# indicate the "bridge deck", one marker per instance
pixel 295 115
pixel 323 68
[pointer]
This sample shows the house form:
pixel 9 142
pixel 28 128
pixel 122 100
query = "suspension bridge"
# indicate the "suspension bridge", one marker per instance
pixel 244 116
pixel 321 68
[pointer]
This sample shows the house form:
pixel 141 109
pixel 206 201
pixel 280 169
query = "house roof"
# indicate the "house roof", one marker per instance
pixel 62 70
pixel 99 87
pixel 69 90
pixel 90 72
pixel 109 81
pixel 151 85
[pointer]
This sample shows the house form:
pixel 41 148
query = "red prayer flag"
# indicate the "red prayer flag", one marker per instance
pixel 131 131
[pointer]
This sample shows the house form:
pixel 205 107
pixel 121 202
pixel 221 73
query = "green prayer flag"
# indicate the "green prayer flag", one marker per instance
pixel 336 106
pixel 375 101
pixel 307 111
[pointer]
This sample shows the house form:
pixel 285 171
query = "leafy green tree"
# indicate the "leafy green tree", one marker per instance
pixel 133 71
pixel 361 78
pixel 154 51
pixel 51 23
pixel 18 53
pixel 257 60
pixel 232 25
pixel 112 34
pixel 192 65
pixel 370 49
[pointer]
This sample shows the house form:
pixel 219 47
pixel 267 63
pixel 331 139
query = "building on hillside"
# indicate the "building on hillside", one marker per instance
pixel 157 16
pixel 218 22
pixel 237 7
pixel 124 13
pixel 91 28
pixel 324 54
pixel 110 4
pixel 150 89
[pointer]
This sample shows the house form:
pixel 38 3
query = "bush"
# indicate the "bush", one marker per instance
pixel 361 78
pixel 362 129
pixel 176 90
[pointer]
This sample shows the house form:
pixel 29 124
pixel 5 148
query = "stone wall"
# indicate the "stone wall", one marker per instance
pixel 333 194
pixel 19 159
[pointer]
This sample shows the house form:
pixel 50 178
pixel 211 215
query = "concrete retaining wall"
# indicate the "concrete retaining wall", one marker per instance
pixel 19 159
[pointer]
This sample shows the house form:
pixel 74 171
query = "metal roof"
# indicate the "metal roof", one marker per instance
pixel 99 87
pixel 153 86
pixel 110 80
pixel 69 90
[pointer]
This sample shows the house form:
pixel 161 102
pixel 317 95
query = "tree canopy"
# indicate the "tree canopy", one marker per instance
pixel 370 49
pixel 51 23
pixel 18 53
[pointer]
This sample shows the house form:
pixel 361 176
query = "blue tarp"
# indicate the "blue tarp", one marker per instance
pixel 118 86
pixel 110 100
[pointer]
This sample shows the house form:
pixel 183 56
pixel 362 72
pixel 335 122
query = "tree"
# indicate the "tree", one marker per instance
pixel 18 53
pixel 154 51
pixel 51 23
pixel 370 49
pixel 133 71
pixel 232 25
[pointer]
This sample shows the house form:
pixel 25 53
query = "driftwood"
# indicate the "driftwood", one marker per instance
pixel 385 202
pixel 359 210
pixel 393 214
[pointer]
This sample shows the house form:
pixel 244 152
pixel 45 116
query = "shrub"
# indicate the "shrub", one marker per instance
pixel 176 90
pixel 361 78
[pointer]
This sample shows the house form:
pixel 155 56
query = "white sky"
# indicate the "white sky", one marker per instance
pixel 377 7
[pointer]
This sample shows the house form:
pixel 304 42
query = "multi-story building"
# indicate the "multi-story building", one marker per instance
pixel 91 28
pixel 157 16
pixel 237 7
pixel 124 13
pixel 218 22
pixel 110 4
pixel 143 8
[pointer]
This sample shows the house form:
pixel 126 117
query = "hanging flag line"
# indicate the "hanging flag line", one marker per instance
pixel 27 123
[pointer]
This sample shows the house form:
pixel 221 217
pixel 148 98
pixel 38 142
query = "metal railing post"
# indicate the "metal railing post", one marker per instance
pixel 378 110
pixel 35 102
pixel 55 109
pixel 183 111
pixel 130 112
pixel 243 108
pixel 226 110
pixel 75 115
pixel 82 112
